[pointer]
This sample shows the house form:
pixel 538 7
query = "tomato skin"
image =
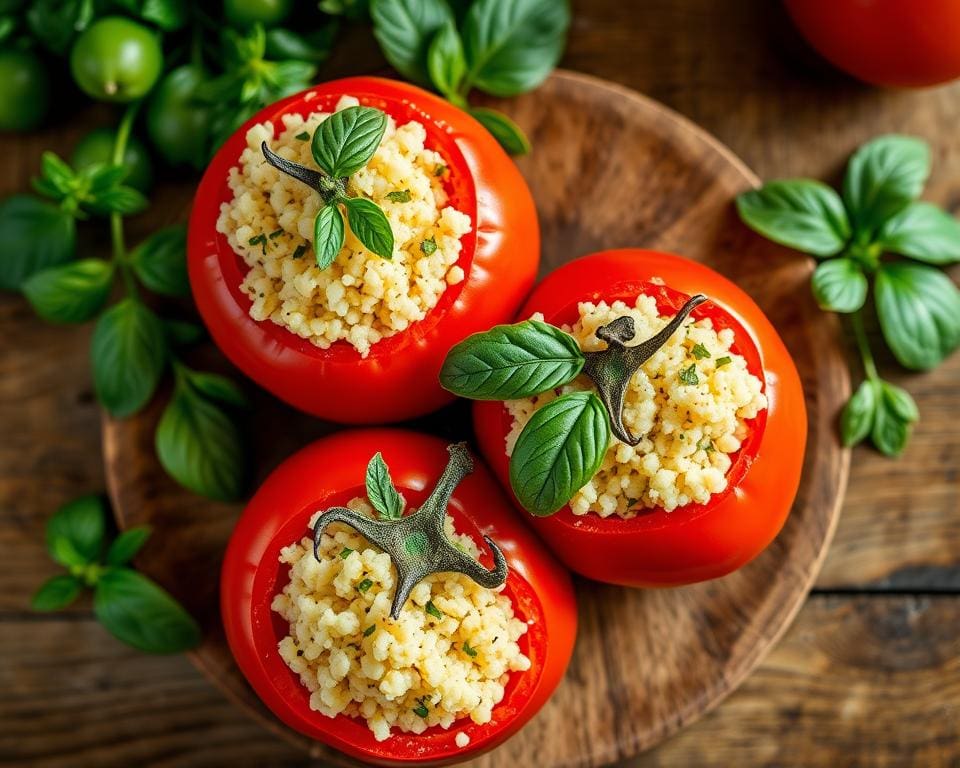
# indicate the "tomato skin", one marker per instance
pixel 398 379
pixel 695 542
pixel 178 125
pixel 116 59
pixel 899 43
pixel 331 471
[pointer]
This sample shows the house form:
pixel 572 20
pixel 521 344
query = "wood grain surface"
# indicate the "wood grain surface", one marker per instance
pixel 867 675
pixel 658 182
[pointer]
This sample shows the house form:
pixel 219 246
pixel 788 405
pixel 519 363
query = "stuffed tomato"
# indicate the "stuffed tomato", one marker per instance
pixel 346 237
pixel 381 596
pixel 645 412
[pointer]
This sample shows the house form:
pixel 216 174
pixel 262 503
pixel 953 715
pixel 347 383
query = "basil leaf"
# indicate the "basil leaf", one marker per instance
pixel 180 333
pixel 139 613
pixel 123 548
pixel 35 235
pixel 328 234
pixel 512 45
pixel 119 199
pixel 160 262
pixel 924 232
pixel 218 387
pixel 199 445
pixel 381 491
pixel 63 552
pixel 55 23
pixel 883 176
pixel 507 133
pixel 445 61
pixel 72 293
pixel 558 451
pixel 897 400
pixel 919 311
pixel 798 213
pixel 313 47
pixel 511 361
pixel 355 10
pixel 169 15
pixel 128 354
pixel 839 285
pixel 857 416
pixel 369 223
pixel 404 29
pixel 56 592
pixel 81 524
pixel 890 431
pixel 346 140
pixel 57 173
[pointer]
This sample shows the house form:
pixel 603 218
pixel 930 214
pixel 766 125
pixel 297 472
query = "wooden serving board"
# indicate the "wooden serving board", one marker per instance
pixel 609 169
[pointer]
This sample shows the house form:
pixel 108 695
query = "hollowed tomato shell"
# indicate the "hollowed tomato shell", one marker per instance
pixel 330 472
pixel 695 542
pixel 398 379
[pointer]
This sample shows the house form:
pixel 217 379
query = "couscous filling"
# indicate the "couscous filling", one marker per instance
pixel 690 403
pixel 448 656
pixel 360 298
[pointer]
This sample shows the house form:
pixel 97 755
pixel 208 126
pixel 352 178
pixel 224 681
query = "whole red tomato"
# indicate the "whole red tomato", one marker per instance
pixel 697 541
pixel 330 472
pixel 398 379
pixel 905 43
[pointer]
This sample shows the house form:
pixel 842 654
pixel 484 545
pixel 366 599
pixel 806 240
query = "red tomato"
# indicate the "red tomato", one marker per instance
pixel 398 379
pixel 330 472
pixel 902 43
pixel 698 541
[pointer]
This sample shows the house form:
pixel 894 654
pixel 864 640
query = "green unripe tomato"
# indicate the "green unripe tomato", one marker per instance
pixel 116 59
pixel 246 13
pixel 97 148
pixel 178 124
pixel 24 90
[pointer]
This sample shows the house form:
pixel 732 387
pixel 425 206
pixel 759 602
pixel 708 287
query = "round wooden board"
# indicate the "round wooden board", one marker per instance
pixel 609 169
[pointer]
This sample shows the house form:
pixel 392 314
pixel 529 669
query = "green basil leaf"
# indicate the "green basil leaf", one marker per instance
pixel 924 232
pixel 313 47
pixel 55 23
pixel 381 491
pixel 369 223
pixel 119 199
pixel 445 61
pixel 139 613
pixel 346 140
pixel 512 45
pixel 839 285
pixel 180 333
pixel 103 177
pixel 355 10
pixel 200 446
pixel 507 133
pixel 919 311
pixel 328 234
pixel 883 176
pixel 217 387
pixel 128 354
pixel 890 431
pixel 798 213
pixel 72 293
pixel 56 592
pixel 57 173
pixel 290 77
pixel 160 262
pixel 81 524
pixel 169 15
pixel 897 400
pixel 35 235
pixel 856 419
pixel 123 548
pixel 404 29
pixel 558 451
pixel 511 361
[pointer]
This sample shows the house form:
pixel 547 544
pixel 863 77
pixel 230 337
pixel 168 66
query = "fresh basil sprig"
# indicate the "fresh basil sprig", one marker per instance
pixel 128 604
pixel 501 47
pixel 342 145
pixel 917 305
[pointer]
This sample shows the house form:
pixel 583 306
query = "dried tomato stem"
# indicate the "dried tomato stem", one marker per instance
pixel 417 543
pixel 612 368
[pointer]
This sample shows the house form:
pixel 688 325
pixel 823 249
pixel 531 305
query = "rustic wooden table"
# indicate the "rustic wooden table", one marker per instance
pixel 868 675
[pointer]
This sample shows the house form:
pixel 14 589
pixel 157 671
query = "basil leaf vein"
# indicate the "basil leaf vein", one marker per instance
pixel 839 285
pixel 346 140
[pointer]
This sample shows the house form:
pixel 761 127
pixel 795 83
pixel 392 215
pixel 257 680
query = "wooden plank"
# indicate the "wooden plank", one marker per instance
pixel 867 680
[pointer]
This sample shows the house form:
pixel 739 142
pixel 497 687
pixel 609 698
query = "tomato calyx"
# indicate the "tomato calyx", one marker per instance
pixel 417 543
pixel 611 369
pixel 328 188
